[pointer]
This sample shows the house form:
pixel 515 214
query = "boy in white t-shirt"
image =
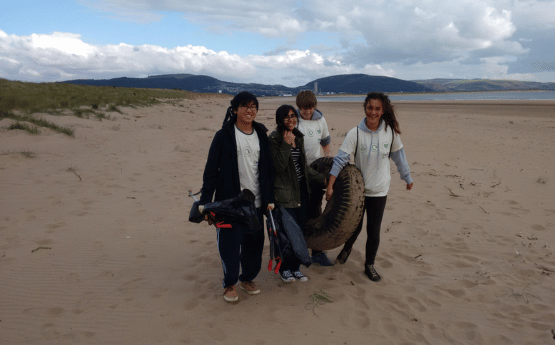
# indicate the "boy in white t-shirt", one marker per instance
pixel 313 126
pixel 316 134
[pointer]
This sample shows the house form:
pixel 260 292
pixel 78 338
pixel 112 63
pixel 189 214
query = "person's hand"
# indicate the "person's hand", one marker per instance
pixel 209 219
pixel 270 207
pixel 409 185
pixel 289 137
pixel 329 192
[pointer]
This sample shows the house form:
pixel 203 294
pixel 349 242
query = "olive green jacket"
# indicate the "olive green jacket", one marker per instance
pixel 286 185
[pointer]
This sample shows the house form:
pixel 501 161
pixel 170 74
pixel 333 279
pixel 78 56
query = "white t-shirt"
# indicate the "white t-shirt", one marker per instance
pixel 314 131
pixel 248 153
pixel 372 157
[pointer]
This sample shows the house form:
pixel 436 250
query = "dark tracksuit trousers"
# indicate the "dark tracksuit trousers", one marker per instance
pixel 241 249
pixel 374 207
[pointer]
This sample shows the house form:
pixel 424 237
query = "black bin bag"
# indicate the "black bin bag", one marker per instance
pixel 239 210
pixel 290 236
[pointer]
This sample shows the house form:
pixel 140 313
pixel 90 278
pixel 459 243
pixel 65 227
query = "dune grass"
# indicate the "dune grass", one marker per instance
pixel 19 98
pixel 48 97
pixel 38 122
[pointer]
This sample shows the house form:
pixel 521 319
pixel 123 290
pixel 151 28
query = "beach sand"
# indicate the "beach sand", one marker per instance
pixel 96 247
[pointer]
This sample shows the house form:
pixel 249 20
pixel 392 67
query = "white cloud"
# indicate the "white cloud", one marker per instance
pixel 408 39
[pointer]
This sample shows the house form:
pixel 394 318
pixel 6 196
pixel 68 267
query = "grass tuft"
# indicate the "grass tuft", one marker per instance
pixel 37 122
pixel 319 297
pixel 114 107
pixel 24 127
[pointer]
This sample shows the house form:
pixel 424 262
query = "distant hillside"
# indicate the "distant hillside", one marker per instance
pixel 455 85
pixel 362 84
pixel 349 83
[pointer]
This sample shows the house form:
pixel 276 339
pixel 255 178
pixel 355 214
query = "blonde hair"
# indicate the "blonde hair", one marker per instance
pixel 306 99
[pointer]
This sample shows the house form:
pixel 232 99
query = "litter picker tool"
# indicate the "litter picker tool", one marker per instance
pixel 274 245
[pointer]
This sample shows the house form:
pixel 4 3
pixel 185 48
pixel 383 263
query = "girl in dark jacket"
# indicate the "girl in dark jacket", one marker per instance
pixel 292 178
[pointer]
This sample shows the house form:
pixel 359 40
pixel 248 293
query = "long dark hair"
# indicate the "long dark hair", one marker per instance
pixel 388 112
pixel 281 113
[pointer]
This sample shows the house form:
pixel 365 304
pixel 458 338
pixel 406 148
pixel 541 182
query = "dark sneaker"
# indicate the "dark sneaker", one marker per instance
pixel 321 259
pixel 287 276
pixel 343 256
pixel 250 287
pixel 300 276
pixel 371 273
pixel 230 294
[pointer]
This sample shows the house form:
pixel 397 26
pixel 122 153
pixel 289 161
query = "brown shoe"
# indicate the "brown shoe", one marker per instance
pixel 250 287
pixel 230 294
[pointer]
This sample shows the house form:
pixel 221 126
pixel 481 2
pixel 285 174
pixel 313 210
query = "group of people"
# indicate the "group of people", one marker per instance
pixel 276 168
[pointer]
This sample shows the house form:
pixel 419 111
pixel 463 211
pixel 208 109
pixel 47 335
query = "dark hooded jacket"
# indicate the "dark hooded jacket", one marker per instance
pixel 221 173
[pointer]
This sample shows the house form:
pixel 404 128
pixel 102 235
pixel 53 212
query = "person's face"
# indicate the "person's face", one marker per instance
pixel 247 113
pixel 307 112
pixel 374 112
pixel 290 121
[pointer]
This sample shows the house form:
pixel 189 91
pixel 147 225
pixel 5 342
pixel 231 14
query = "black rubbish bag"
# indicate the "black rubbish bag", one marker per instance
pixel 195 216
pixel 239 211
pixel 290 236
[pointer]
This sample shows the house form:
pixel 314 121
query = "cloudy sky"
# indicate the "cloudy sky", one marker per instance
pixel 277 42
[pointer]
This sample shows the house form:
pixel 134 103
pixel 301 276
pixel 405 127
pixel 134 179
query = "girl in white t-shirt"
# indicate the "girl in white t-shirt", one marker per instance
pixel 372 142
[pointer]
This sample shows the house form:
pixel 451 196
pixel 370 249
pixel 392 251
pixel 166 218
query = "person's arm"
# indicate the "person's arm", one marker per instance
pixel 326 139
pixel 326 150
pixel 280 151
pixel 210 176
pixel 329 190
pixel 339 162
pixel 400 160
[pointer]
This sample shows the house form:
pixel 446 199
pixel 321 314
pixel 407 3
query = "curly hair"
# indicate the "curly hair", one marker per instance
pixel 388 112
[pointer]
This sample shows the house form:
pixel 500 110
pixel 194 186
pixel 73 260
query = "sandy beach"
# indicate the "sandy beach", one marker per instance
pixel 96 247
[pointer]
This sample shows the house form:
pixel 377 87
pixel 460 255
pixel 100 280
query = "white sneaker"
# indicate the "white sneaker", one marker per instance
pixel 287 277
pixel 300 276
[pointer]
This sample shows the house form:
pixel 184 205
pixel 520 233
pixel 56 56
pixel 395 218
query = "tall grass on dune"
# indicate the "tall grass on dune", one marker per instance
pixel 41 97
pixel 38 122
pixel 18 100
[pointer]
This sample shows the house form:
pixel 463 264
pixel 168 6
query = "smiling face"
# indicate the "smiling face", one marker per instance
pixel 290 121
pixel 374 112
pixel 246 113
pixel 306 112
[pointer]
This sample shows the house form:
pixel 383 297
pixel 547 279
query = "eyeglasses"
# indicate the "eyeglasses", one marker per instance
pixel 251 108
pixel 292 117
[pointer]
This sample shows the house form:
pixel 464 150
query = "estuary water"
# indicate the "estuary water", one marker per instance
pixel 452 96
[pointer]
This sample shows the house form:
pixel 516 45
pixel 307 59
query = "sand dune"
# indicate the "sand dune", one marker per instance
pixel 95 246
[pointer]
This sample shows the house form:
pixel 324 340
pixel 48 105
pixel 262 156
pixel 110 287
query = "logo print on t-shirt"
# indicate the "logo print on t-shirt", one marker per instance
pixel 310 133
pixel 247 151
pixel 363 147
pixel 385 145
pixel 374 147
pixel 319 131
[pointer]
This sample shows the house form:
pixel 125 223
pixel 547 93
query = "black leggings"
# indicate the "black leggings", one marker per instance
pixel 374 207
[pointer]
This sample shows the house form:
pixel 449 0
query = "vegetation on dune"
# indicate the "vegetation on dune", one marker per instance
pixel 38 122
pixel 53 97
pixel 17 98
